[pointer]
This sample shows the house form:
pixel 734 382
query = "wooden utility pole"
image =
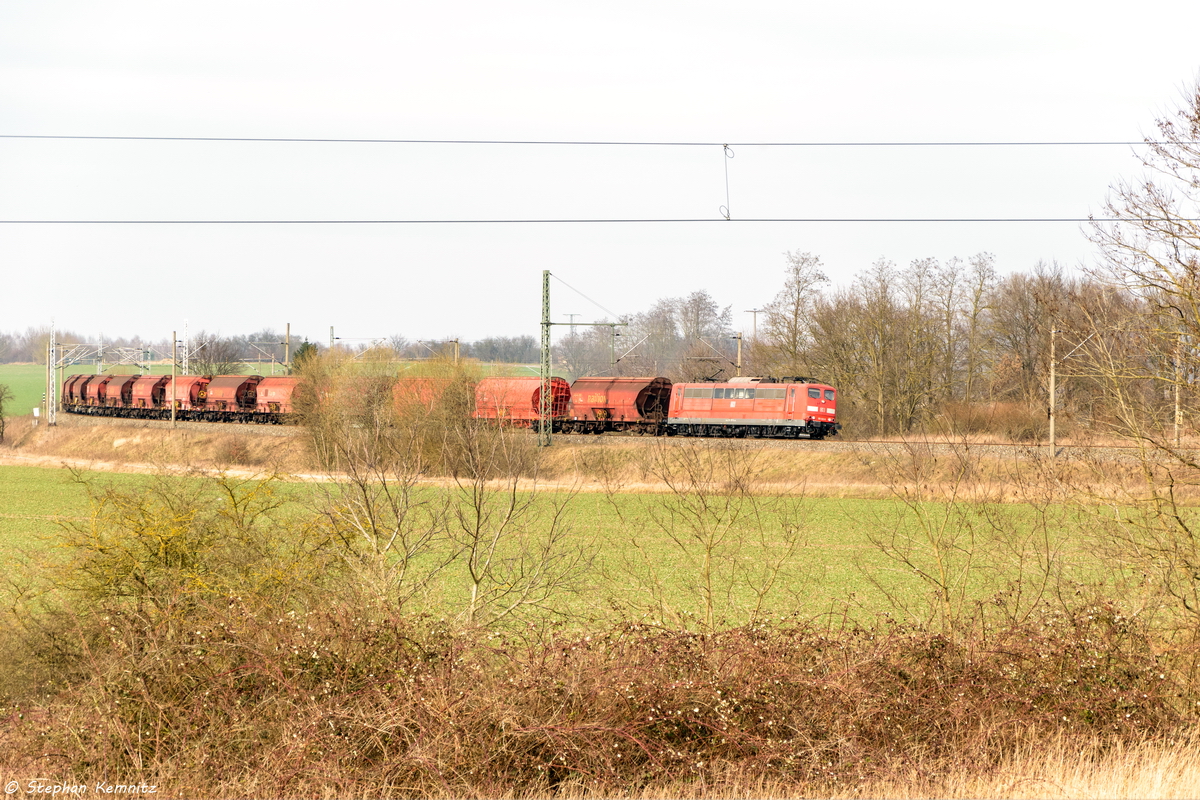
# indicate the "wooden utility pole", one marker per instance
pixel 287 347
pixel 738 336
pixel 1053 332
pixel 50 387
pixel 1178 380
pixel 48 397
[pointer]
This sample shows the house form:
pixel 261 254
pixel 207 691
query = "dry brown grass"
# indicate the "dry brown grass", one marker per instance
pixel 127 446
pixel 818 469
pixel 1039 770
pixel 1065 768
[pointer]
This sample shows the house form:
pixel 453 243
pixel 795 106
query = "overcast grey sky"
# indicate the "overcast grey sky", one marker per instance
pixel 615 71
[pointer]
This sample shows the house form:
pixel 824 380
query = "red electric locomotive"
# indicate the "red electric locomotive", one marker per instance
pixel 757 407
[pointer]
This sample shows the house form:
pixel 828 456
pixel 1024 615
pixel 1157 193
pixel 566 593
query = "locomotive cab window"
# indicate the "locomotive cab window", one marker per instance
pixel 829 395
pixel 814 393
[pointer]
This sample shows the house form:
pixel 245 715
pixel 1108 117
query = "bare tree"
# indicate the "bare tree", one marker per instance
pixel 701 317
pixel 732 540
pixel 1024 311
pixel 1153 247
pixel 513 545
pixel 5 395
pixel 213 354
pixel 1138 346
pixel 838 354
pixel 658 331
pixel 787 322
pixel 981 282
pixel 588 351
pixel 487 539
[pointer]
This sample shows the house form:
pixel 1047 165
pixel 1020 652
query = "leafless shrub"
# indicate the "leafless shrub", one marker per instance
pixel 513 545
pixel 5 395
pixel 1009 421
pixel 717 524
pixel 980 559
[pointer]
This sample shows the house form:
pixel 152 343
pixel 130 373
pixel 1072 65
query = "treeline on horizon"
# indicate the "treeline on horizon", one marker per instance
pixel 929 345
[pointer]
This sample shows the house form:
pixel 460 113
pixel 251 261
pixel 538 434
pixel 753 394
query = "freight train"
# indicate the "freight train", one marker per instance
pixel 754 407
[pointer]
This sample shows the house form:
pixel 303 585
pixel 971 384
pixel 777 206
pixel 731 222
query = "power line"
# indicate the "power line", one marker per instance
pixel 581 143
pixel 599 221
pixel 585 297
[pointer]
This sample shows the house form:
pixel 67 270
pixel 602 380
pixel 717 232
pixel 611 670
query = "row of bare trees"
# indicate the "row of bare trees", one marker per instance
pixel 684 338
pixel 953 344
pixel 906 345
pixel 29 346
pixel 902 343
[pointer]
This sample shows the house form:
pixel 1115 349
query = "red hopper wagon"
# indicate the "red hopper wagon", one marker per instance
pixel 276 395
pixel 517 400
pixel 618 404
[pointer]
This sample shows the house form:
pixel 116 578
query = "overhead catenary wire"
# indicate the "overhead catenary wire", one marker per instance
pixel 585 297
pixel 586 221
pixel 579 143
pixel 724 210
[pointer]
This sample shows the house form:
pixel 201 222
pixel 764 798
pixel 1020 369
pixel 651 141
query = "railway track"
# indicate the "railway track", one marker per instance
pixel 1013 450
pixel 73 420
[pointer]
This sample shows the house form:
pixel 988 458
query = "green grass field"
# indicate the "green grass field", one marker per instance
pixel 34 499
pixel 28 385
pixel 784 556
